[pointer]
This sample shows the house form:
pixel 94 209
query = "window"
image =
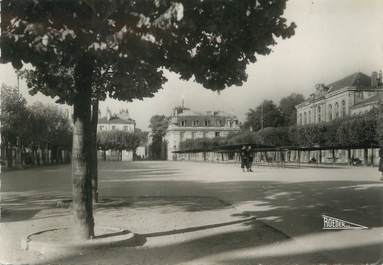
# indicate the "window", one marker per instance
pixel 309 120
pixel 101 128
pixel 183 123
pixel 196 123
pixel 300 119
pixel 343 108
pixel 336 110
pixel 330 112
pixel 126 128
pixel 319 114
pixel 217 134
pixel 207 123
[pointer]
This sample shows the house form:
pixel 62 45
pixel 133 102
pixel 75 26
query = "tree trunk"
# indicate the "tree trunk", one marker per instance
pixel 94 165
pixel 81 152
pixel 365 158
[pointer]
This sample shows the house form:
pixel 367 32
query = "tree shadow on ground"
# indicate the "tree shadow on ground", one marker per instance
pixel 26 207
pixel 222 247
pixel 186 203
pixel 298 205
pixel 179 252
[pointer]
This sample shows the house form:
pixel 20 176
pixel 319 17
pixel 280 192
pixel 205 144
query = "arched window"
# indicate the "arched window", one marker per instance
pixel 336 110
pixel 330 112
pixel 343 108
pixel 319 114
pixel 305 119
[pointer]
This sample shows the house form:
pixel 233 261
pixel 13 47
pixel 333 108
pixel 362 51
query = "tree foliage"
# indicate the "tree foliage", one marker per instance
pixel 118 140
pixel 129 41
pixel 202 143
pixel 14 114
pixel 288 110
pixel 38 124
pixel 158 124
pixel 266 114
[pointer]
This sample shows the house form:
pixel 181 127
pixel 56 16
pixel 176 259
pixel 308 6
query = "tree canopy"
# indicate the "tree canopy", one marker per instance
pixel 266 114
pixel 159 125
pixel 129 42
pixel 37 124
pixel 287 108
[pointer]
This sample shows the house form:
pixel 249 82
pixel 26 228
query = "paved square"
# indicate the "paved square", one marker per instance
pixel 205 198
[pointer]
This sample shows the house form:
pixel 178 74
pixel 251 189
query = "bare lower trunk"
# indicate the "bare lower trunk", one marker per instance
pixel 81 177
pixel 93 166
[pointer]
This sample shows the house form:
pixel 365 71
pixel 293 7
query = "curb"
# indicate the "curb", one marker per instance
pixel 41 241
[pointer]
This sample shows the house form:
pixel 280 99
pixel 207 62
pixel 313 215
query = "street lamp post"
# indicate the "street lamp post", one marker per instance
pixel 262 116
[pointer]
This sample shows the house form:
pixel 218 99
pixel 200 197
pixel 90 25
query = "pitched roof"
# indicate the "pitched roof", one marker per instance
pixel 357 79
pixel 371 100
pixel 115 120
pixel 205 113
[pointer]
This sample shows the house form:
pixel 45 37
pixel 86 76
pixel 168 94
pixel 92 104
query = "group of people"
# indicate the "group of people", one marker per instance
pixel 247 157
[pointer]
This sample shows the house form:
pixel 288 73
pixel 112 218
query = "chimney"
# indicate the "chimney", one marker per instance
pixel 374 79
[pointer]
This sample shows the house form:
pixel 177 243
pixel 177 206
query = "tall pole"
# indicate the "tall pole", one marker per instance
pixel 1 144
pixel 18 83
pixel 262 116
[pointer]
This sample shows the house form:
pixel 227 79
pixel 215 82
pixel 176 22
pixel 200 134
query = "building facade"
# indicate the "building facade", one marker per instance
pixel 120 122
pixel 351 95
pixel 187 124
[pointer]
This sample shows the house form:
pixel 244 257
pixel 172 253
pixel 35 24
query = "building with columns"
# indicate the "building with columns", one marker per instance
pixel 354 94
pixel 187 124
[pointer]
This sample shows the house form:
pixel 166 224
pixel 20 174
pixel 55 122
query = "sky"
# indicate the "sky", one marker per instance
pixel 333 39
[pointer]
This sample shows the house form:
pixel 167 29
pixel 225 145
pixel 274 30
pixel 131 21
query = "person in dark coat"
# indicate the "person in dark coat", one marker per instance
pixel 243 156
pixel 250 158
pixel 381 162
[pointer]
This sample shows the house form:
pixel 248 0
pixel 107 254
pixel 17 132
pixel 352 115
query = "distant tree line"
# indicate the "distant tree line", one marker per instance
pixel 37 132
pixel 360 130
pixel 120 140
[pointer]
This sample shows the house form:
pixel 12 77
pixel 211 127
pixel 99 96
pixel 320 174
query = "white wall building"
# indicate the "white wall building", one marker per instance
pixel 186 124
pixel 350 95
pixel 121 122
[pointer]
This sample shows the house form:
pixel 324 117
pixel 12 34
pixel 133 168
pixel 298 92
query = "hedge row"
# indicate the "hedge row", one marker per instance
pixel 361 130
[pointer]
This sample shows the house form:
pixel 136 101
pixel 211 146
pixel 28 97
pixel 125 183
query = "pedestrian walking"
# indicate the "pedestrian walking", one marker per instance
pixel 381 162
pixel 250 158
pixel 243 156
